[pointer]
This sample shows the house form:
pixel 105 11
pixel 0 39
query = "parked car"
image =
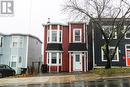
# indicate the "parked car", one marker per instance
pixel 5 70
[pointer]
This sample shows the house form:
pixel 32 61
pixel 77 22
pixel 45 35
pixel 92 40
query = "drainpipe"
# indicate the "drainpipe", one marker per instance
pixel 93 46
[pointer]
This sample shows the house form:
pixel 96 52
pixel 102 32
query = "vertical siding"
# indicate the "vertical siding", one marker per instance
pixel 34 51
pixel 99 42
pixel 45 44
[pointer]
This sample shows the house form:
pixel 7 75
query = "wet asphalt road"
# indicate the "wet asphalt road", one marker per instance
pixel 99 83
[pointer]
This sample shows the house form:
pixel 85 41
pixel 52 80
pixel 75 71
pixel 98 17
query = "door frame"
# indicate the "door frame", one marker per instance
pixel 81 67
pixel 126 53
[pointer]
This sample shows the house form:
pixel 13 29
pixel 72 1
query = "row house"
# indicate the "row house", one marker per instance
pixel 96 41
pixel 20 51
pixel 65 47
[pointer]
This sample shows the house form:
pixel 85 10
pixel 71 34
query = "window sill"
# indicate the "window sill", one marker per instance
pixel 112 60
pixel 54 64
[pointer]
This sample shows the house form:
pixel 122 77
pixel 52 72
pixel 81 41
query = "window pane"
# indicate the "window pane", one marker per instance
pixel 77 38
pixel 13 64
pixel 48 57
pixel 108 30
pixel 111 52
pixel 21 42
pixel 60 36
pixel 53 60
pixel 77 35
pixel 59 58
pixel 77 32
pixel 77 58
pixel 128 35
pixel 54 36
pixel 128 54
pixel 20 59
pixel 48 34
pixel 128 47
pixel 14 44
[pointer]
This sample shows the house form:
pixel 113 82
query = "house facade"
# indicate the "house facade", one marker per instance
pixel 19 50
pixel 96 42
pixel 65 47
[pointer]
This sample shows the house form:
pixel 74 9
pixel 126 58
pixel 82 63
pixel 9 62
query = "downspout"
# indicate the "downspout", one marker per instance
pixel 27 50
pixel 93 46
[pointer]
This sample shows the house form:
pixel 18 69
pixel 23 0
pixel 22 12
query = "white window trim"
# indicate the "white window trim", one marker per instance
pixel 117 51
pixel 57 62
pixel 18 41
pixel 126 33
pixel 11 60
pixel 109 34
pixel 50 36
pixel 74 35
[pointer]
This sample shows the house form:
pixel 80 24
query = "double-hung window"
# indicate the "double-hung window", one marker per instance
pixel 77 35
pixel 111 49
pixel 14 41
pixel 13 61
pixel 127 34
pixel 54 58
pixel 54 36
pixel 108 30
pixel 17 41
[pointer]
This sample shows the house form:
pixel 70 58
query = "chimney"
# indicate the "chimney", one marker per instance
pixel 48 21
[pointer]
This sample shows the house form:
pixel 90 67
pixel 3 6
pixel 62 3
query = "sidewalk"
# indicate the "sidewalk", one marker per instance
pixel 58 78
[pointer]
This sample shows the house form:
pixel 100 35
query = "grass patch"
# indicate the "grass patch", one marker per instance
pixel 102 71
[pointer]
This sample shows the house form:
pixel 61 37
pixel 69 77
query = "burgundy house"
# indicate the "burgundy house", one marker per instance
pixel 65 47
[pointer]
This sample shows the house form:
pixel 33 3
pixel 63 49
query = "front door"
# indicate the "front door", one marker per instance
pixel 128 57
pixel 77 64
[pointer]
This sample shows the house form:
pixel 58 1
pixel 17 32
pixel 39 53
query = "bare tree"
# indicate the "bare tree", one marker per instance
pixel 95 10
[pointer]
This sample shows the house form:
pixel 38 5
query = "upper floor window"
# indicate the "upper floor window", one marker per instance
pixel 115 58
pixel 54 36
pixel 77 35
pixel 108 30
pixel 17 41
pixel 127 34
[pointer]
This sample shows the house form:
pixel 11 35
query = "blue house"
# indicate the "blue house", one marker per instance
pixel 20 50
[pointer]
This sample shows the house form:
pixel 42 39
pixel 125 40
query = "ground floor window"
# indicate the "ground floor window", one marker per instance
pixel 54 58
pixel 14 61
pixel 115 58
pixel 13 64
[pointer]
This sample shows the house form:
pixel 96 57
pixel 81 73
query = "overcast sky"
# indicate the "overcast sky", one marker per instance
pixel 29 15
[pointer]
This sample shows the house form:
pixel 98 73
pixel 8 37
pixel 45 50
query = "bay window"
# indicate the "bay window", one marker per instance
pixel 54 58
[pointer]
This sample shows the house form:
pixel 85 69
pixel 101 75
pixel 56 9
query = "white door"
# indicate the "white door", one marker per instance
pixel 77 62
